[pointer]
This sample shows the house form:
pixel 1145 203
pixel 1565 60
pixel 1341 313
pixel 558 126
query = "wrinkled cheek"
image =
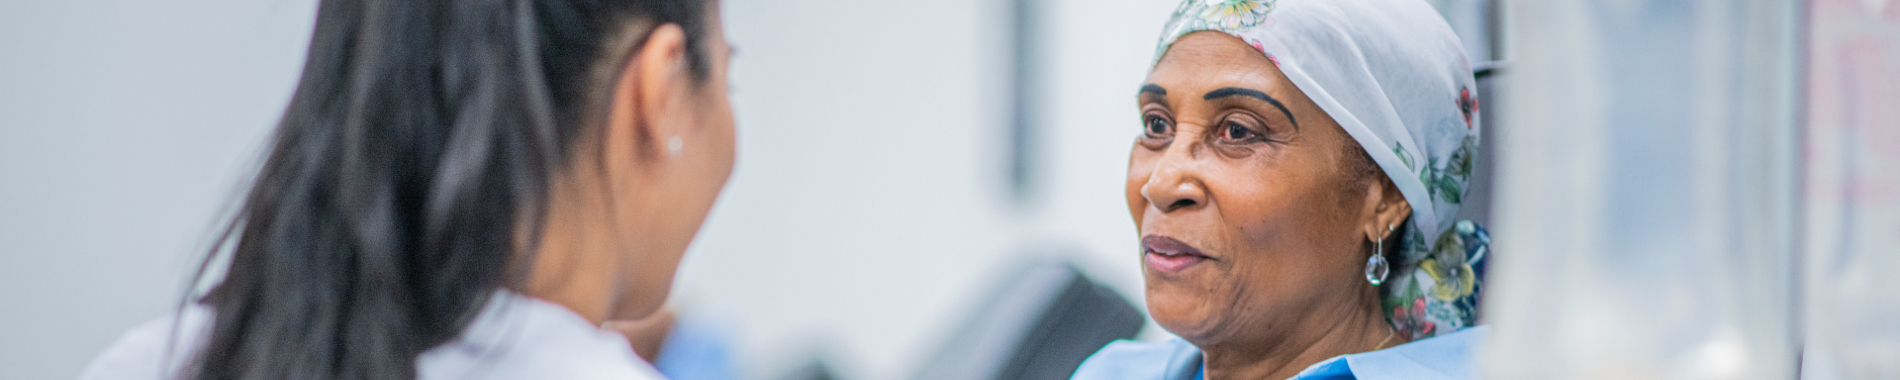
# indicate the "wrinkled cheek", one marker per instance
pixel 1263 230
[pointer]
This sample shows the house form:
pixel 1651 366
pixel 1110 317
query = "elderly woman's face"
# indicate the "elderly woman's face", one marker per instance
pixel 1239 185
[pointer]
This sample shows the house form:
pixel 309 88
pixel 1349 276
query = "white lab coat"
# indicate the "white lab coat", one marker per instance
pixel 514 337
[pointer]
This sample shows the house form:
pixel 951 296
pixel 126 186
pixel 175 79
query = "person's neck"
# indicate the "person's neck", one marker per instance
pixel 572 266
pixel 563 275
pixel 1318 337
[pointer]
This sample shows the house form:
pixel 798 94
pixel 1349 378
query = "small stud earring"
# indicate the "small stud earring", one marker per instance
pixel 674 144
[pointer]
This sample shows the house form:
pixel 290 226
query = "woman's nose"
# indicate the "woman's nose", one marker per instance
pixel 1175 184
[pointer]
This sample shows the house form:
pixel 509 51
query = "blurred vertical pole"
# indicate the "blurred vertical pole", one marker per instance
pixel 1851 244
pixel 1472 21
pixel 1025 43
pixel 1646 197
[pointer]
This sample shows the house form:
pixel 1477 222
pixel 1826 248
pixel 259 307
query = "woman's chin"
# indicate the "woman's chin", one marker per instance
pixel 642 302
pixel 1188 316
pixel 1192 329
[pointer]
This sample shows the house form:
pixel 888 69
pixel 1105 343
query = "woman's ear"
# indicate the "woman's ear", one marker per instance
pixel 1388 206
pixel 650 85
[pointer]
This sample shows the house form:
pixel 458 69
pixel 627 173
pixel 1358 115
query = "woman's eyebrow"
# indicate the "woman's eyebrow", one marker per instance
pixel 1251 93
pixel 1151 88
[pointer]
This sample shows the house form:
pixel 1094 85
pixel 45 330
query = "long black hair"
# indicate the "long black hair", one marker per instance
pixel 412 161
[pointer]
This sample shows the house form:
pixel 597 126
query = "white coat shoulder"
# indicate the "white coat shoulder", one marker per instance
pixel 514 337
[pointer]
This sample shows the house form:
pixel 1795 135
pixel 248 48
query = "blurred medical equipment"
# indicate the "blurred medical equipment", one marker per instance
pixel 1040 324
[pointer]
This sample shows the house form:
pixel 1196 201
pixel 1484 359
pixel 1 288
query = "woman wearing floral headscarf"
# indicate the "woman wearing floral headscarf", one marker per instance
pixel 1295 182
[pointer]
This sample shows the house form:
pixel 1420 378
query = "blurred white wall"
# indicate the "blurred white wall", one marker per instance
pixel 125 127
pixel 868 211
pixel 867 194
pixel 871 208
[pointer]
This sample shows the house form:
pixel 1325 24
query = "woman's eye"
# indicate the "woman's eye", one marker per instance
pixel 1157 126
pixel 1235 131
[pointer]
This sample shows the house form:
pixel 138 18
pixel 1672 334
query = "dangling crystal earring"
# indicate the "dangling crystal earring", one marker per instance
pixel 1376 266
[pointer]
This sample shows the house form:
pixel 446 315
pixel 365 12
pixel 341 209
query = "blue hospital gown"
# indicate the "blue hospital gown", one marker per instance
pixel 1445 357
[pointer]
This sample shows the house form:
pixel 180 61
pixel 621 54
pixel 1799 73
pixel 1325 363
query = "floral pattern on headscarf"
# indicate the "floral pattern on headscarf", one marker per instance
pixel 1415 113
pixel 1222 15
pixel 1236 14
pixel 1440 293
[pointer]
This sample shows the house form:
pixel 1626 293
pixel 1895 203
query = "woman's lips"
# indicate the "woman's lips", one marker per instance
pixel 1170 256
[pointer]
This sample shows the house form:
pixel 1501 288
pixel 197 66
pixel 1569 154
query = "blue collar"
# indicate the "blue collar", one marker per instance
pixel 1444 357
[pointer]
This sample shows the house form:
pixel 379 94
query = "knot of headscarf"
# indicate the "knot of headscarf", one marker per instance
pixel 1396 78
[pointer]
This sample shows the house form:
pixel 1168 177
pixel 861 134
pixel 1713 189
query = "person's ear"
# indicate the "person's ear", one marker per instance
pixel 648 87
pixel 1388 209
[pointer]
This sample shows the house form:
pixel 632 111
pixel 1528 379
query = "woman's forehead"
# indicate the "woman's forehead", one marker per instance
pixel 1212 60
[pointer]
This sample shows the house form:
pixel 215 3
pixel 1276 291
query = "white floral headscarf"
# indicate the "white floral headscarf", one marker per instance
pixel 1395 77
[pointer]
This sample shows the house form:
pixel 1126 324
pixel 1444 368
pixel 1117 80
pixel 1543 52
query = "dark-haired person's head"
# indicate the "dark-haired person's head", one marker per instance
pixel 435 153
